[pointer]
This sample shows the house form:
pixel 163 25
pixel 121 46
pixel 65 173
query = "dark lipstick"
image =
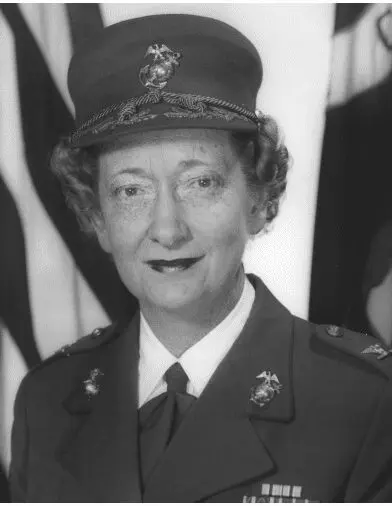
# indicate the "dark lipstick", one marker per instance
pixel 176 264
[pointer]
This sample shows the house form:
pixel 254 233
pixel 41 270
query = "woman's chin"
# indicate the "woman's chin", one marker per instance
pixel 174 293
pixel 174 297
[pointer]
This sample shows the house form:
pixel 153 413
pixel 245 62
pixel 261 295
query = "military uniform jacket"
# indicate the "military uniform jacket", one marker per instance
pixel 327 436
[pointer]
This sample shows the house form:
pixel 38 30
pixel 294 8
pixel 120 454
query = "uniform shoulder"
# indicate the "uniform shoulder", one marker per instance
pixel 97 338
pixel 53 375
pixel 362 346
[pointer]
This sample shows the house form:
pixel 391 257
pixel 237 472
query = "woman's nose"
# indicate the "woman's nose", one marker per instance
pixel 168 227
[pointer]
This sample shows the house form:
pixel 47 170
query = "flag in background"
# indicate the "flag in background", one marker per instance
pixel 355 185
pixel 55 285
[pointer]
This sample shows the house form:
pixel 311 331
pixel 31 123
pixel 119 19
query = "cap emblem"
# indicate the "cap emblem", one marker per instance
pixel 263 393
pixel 157 74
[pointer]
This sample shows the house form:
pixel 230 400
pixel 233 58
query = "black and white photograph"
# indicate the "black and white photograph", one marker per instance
pixel 196 252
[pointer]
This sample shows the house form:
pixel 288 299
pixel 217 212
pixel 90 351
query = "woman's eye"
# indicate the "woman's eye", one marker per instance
pixel 131 191
pixel 201 187
pixel 204 182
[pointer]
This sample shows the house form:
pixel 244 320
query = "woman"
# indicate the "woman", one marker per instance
pixel 214 391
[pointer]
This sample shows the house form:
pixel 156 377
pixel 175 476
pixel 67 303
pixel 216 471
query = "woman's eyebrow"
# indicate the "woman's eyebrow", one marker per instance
pixel 193 162
pixel 182 167
pixel 136 171
pixel 131 171
pixel 186 164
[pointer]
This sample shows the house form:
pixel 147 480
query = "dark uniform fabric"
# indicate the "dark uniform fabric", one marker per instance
pixel 327 433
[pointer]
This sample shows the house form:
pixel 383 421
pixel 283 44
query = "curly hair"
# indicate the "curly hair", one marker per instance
pixel 264 156
pixel 265 162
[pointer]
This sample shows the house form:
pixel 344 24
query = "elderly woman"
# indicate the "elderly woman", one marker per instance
pixel 214 392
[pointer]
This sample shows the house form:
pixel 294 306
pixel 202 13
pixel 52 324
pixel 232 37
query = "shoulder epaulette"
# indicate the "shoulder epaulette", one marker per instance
pixel 96 338
pixel 362 346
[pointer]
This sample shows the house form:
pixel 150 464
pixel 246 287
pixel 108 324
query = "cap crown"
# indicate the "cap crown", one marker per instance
pixel 216 61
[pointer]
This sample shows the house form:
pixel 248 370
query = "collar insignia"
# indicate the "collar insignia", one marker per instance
pixel 156 74
pixel 378 350
pixel 91 386
pixel 263 393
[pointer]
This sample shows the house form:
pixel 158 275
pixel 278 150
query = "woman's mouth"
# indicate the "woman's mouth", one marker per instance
pixel 177 265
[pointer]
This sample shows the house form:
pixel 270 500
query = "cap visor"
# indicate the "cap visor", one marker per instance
pixel 160 123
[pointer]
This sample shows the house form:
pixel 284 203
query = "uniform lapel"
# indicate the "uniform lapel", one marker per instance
pixel 102 451
pixel 217 447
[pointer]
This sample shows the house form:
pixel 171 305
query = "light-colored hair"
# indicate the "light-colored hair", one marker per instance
pixel 265 162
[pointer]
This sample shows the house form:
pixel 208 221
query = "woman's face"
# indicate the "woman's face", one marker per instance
pixel 176 216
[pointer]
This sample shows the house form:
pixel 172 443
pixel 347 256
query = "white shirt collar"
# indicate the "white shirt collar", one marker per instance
pixel 200 361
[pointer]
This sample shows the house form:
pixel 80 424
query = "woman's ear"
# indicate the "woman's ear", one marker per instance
pixel 257 212
pixel 257 217
pixel 98 223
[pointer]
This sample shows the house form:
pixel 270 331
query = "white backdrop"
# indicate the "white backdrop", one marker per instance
pixel 295 44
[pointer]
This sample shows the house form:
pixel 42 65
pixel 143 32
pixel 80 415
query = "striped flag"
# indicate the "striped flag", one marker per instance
pixel 354 198
pixel 55 285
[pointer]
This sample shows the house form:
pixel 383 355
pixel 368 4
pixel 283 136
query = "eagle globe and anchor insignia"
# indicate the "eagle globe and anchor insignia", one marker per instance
pixel 263 393
pixel 162 68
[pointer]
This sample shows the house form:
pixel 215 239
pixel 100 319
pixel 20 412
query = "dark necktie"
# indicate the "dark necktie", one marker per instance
pixel 160 418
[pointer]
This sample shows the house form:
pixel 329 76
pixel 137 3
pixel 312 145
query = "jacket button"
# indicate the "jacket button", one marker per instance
pixel 64 350
pixel 97 332
pixel 334 331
